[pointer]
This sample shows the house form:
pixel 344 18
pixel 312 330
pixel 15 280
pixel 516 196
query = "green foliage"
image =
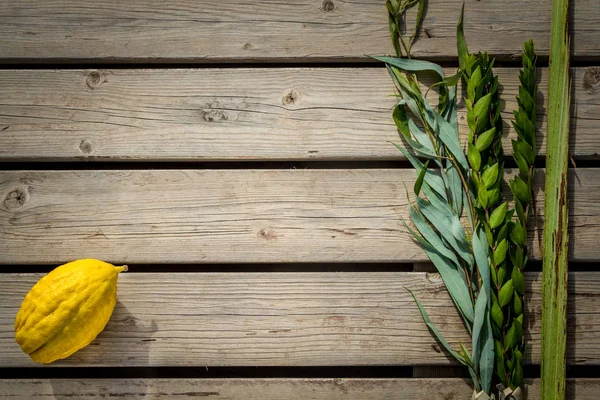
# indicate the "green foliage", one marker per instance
pixel 481 265
pixel 524 151
pixel 442 197
pixel 506 238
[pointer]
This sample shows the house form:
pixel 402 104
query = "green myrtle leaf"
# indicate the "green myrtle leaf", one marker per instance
pixel 470 119
pixel 488 234
pixel 483 197
pixel 517 376
pixel 520 213
pixel 494 275
pixel 501 273
pixel 497 315
pixel 473 82
pixel 518 234
pixel 518 355
pixel 485 139
pixel 517 305
pixel 526 151
pixel 506 293
pixel 481 110
pixel 474 157
pixel 518 281
pixel 503 231
pixel 449 81
pixel 490 176
pixel 497 216
pixel 518 330
pixel 520 189
pixel 510 339
pixel 522 164
pixel 499 352
pixel 519 258
pixel 500 252
pixel 494 197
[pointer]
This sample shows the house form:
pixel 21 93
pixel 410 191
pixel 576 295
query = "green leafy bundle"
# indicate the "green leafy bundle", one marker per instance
pixel 481 264
pixel 505 236
pixel 486 159
pixel 442 195
pixel 508 312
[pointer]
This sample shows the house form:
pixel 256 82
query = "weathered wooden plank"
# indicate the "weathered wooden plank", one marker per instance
pixel 259 389
pixel 269 30
pixel 233 114
pixel 278 319
pixel 232 216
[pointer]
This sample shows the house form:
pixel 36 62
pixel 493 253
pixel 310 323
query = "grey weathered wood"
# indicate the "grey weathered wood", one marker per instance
pixel 278 319
pixel 269 30
pixel 239 216
pixel 233 114
pixel 259 389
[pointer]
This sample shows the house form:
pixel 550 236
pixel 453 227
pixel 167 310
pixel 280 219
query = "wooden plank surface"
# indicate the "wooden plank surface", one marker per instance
pixel 269 30
pixel 234 114
pixel 294 319
pixel 274 389
pixel 233 216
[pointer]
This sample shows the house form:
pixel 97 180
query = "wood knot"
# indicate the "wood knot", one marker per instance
pixel 290 97
pixel 328 6
pixel 591 79
pixel 267 234
pixel 85 146
pixel 130 321
pixel 94 79
pixel 248 46
pixel 15 199
pixel 213 112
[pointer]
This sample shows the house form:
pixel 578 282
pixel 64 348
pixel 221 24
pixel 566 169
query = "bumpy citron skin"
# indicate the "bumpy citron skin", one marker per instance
pixel 67 309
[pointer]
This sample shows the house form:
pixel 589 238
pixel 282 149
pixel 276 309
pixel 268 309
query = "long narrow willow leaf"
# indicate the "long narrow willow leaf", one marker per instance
pixel 555 242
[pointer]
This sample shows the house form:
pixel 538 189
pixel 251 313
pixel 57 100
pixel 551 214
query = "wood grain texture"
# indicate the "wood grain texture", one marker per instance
pixel 260 389
pixel 269 30
pixel 294 319
pixel 233 216
pixel 234 114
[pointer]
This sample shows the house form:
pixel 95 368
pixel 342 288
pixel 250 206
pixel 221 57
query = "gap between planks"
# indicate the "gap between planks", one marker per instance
pixel 235 114
pixel 291 319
